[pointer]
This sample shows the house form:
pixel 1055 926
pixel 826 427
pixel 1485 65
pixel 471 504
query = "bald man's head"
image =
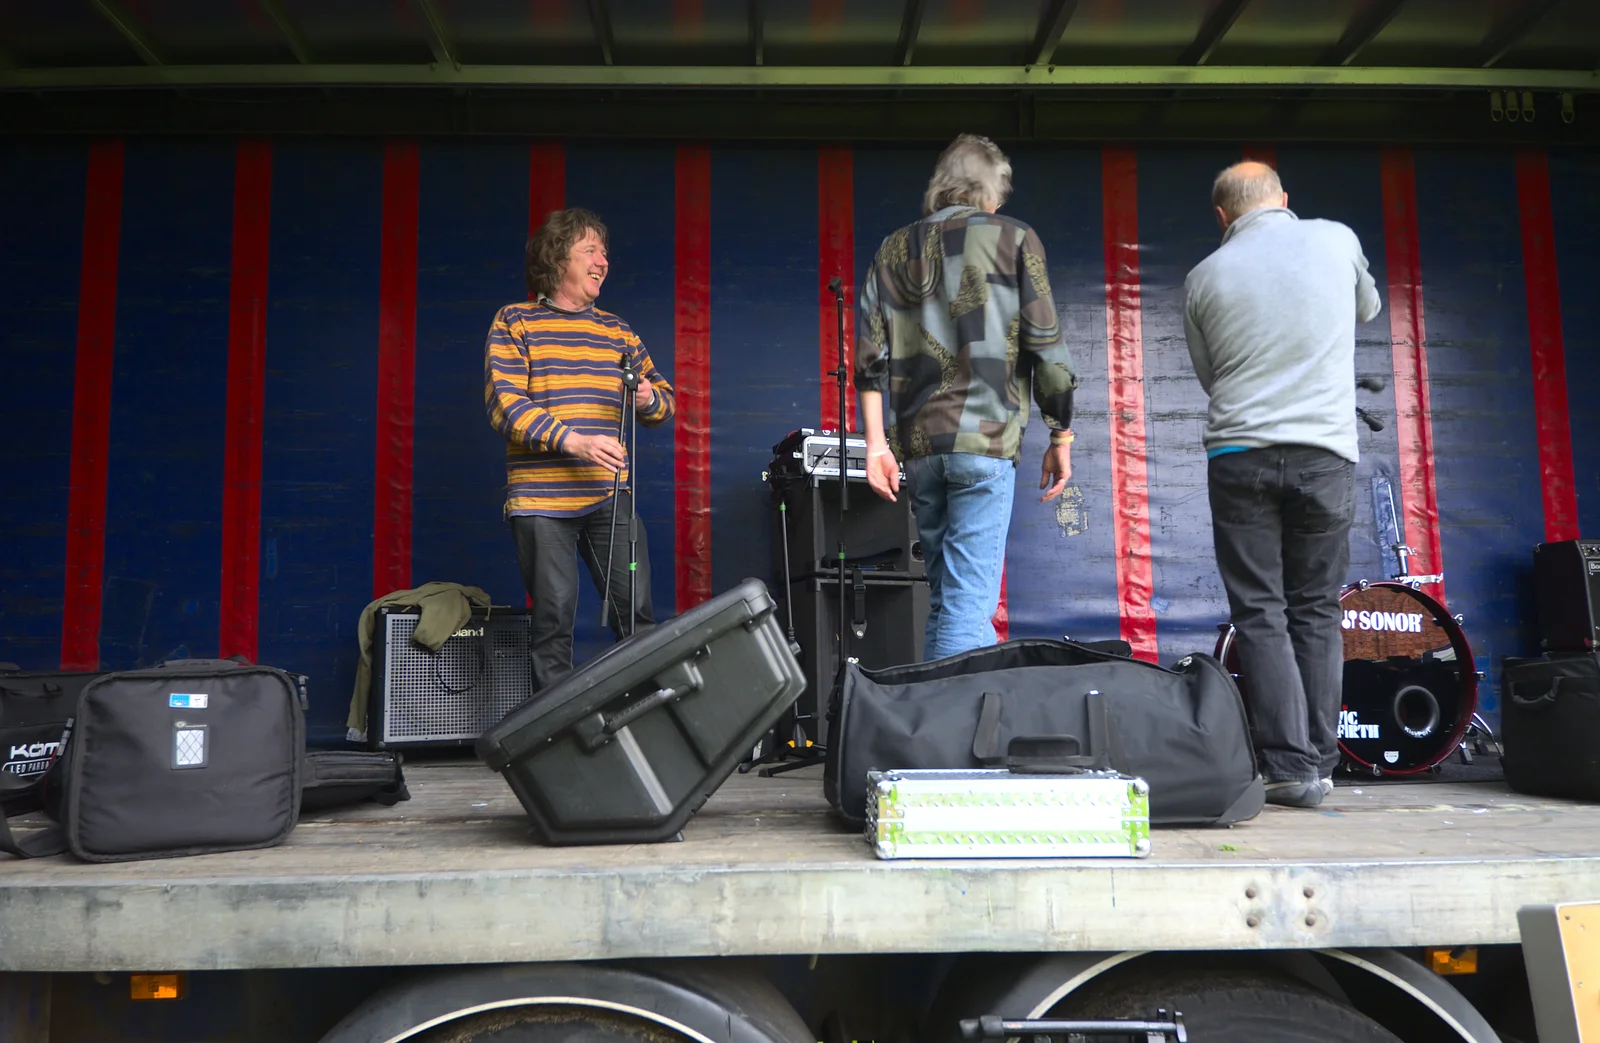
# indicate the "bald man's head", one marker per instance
pixel 1244 187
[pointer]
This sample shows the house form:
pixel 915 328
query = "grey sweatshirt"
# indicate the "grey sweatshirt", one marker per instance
pixel 1271 319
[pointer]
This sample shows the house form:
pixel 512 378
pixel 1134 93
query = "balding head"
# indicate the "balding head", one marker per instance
pixel 1244 187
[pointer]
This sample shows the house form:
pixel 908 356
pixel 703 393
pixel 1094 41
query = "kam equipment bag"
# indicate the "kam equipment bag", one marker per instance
pixel 1183 730
pixel 35 707
pixel 1550 725
pixel 190 757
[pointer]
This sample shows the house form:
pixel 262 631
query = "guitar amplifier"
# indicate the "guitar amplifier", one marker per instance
pixel 450 697
pixel 1566 579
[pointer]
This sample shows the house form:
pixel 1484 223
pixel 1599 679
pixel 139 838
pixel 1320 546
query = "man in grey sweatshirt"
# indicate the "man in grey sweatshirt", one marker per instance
pixel 1270 319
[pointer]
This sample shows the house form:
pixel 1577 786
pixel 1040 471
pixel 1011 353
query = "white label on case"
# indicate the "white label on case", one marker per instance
pixel 181 701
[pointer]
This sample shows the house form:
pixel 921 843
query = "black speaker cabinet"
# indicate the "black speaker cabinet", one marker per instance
pixel 895 613
pixel 450 697
pixel 879 535
pixel 1566 579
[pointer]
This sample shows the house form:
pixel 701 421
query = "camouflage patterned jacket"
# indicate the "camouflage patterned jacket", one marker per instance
pixel 955 317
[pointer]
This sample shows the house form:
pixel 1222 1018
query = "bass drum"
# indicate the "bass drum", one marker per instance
pixel 1410 682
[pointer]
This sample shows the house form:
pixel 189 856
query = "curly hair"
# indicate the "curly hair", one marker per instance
pixel 549 247
pixel 971 170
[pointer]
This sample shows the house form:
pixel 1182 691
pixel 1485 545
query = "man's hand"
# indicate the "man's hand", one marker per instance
pixel 1057 469
pixel 597 449
pixel 643 395
pixel 883 472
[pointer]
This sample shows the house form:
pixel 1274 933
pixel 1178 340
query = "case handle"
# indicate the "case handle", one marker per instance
pixel 1048 754
pixel 595 730
pixel 1540 702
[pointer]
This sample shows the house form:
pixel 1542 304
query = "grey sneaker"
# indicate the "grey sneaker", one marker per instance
pixel 1292 794
pixel 1326 785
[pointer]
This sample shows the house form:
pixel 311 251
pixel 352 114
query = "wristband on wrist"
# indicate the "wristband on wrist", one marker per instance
pixel 879 452
pixel 1062 437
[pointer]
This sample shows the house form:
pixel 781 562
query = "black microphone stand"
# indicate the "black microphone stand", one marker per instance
pixel 813 753
pixel 627 434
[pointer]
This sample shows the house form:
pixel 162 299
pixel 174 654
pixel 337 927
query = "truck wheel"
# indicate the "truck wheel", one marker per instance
pixel 551 1024
pixel 1236 1005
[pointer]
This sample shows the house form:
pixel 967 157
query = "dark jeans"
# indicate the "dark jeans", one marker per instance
pixel 547 553
pixel 1281 522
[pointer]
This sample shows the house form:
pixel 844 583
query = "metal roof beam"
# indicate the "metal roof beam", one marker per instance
pixel 910 26
pixel 131 30
pixel 1051 26
pixel 1363 29
pixel 842 77
pixel 1513 28
pixel 757 33
pixel 440 41
pixel 1212 30
pixel 291 32
pixel 602 28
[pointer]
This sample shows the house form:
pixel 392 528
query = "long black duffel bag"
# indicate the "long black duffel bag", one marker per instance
pixel 1550 725
pixel 191 757
pixel 1182 730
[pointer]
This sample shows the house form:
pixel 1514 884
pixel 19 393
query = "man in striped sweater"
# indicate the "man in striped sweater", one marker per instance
pixel 554 390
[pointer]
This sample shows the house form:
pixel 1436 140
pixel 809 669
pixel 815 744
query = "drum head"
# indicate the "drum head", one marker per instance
pixel 1410 684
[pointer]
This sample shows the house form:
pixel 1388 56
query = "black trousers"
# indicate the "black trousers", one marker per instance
pixel 547 553
pixel 1281 522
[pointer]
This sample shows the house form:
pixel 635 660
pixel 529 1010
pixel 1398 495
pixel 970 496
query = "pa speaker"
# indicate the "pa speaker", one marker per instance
pixel 452 696
pixel 879 535
pixel 891 614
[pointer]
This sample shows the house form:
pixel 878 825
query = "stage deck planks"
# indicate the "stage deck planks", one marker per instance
pixel 451 877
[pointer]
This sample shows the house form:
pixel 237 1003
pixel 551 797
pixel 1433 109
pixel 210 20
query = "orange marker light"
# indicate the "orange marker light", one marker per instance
pixel 156 986
pixel 1453 961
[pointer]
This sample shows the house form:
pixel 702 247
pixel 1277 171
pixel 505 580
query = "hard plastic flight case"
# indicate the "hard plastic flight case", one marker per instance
pixel 629 746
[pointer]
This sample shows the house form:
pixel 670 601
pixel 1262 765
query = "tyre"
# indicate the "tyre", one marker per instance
pixel 1226 1006
pixel 551 1024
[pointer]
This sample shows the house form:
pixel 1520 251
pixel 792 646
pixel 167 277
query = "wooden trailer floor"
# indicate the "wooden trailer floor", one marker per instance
pixel 765 867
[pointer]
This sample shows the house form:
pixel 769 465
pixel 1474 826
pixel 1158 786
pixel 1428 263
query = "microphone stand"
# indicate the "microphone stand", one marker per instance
pixel 813 753
pixel 627 434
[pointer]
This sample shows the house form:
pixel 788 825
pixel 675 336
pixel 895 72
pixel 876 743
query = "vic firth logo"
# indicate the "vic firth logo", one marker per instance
pixel 1397 622
pixel 1350 727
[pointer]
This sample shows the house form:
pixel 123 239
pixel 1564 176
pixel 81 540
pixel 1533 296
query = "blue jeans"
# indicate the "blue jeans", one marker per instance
pixel 963 506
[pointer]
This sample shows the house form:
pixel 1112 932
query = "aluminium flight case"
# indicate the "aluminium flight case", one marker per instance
pixel 627 748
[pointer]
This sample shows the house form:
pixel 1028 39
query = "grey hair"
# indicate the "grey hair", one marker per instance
pixel 1246 186
pixel 972 170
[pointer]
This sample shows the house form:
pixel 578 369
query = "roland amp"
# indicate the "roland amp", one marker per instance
pixel 450 697
pixel 1566 579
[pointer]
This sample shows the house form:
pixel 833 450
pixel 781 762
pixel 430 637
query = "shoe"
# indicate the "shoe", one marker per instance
pixel 1292 794
pixel 1326 785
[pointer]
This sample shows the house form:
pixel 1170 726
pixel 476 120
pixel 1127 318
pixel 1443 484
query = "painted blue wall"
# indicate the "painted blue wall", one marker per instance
pixel 168 384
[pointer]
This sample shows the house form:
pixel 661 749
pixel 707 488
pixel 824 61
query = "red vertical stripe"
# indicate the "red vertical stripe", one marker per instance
pixel 692 365
pixel 547 181
pixel 397 370
pixel 91 410
pixel 836 256
pixel 247 357
pixel 1130 490
pixel 1409 338
pixel 1545 343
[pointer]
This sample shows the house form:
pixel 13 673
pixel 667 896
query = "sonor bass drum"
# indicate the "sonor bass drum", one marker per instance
pixel 1410 682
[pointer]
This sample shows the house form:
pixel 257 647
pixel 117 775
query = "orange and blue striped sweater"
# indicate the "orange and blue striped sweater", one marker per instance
pixel 549 374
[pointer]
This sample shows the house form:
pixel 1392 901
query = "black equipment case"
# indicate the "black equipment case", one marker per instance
pixel 1550 725
pixel 1182 730
pixel 629 746
pixel 333 778
pixel 35 707
pixel 191 757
